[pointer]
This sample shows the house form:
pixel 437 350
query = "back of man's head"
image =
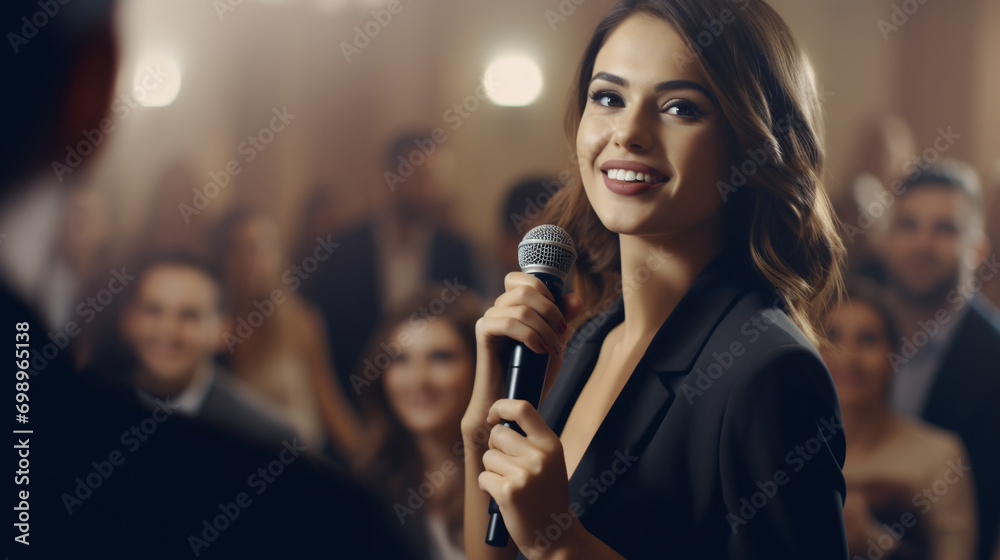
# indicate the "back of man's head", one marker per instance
pixel 59 65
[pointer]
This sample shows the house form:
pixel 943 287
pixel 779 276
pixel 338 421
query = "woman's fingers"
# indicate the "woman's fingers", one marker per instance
pixel 527 418
pixel 498 462
pixel 528 296
pixel 516 279
pixel 522 324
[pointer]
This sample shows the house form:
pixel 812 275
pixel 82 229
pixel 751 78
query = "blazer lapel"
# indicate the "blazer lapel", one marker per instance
pixel 649 392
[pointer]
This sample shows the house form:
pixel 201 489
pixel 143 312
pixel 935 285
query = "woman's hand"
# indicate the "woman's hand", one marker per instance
pixel 525 312
pixel 526 475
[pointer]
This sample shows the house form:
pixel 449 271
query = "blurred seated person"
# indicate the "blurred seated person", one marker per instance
pixel 937 260
pixel 278 342
pixel 174 326
pixel 415 384
pixel 895 466
pixel 388 257
pixel 991 288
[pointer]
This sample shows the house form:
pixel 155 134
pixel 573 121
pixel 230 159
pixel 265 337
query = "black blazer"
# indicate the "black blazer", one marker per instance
pixel 726 441
pixel 346 289
pixel 964 399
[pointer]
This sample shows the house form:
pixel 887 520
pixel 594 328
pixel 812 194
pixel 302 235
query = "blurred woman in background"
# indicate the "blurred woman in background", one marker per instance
pixel 414 387
pixel 896 466
pixel 281 353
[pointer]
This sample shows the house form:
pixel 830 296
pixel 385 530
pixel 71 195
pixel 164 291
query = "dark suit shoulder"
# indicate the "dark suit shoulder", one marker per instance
pixel 233 408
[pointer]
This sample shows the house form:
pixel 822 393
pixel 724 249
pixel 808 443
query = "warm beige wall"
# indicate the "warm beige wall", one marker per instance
pixel 935 70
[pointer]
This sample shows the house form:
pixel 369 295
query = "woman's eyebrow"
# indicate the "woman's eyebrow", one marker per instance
pixel 662 86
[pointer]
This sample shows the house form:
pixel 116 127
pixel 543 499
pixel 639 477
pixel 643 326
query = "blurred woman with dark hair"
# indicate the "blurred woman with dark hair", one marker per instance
pixel 414 386
pixel 896 466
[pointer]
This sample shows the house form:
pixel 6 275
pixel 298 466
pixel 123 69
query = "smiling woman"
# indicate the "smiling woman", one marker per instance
pixel 671 98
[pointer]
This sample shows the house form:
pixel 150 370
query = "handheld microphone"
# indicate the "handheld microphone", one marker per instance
pixel 547 252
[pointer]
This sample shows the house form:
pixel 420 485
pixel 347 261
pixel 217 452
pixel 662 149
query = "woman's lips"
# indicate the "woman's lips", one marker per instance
pixel 625 187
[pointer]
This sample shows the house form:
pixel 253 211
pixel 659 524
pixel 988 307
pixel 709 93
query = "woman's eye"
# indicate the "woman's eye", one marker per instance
pixel 683 109
pixel 443 357
pixel 607 99
pixel 869 340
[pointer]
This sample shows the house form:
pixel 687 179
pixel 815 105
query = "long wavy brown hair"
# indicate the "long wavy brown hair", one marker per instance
pixel 781 221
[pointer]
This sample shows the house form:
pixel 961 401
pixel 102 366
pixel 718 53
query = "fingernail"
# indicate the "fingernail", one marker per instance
pixel 562 327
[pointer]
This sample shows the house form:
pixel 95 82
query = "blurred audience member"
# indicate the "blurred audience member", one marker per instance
pixel 891 459
pixel 323 213
pixel 386 259
pixel 414 406
pixel 946 367
pixel 176 218
pixel 992 289
pixel 174 326
pixel 521 211
pixel 885 151
pixel 82 265
pixel 277 343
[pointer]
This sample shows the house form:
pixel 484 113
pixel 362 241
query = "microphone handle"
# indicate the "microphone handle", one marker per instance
pixel 525 380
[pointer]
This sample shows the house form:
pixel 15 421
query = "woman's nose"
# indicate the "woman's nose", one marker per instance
pixel 633 131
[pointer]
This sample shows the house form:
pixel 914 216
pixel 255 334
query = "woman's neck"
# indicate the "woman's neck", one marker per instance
pixel 658 271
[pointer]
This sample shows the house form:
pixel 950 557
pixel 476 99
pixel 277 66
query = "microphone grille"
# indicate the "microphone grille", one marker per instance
pixel 547 248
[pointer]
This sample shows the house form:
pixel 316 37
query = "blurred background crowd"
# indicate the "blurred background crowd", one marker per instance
pixel 295 211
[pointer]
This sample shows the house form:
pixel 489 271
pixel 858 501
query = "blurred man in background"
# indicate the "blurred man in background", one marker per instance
pixel 937 259
pixel 174 326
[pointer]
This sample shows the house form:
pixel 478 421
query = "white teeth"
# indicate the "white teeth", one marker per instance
pixel 631 176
